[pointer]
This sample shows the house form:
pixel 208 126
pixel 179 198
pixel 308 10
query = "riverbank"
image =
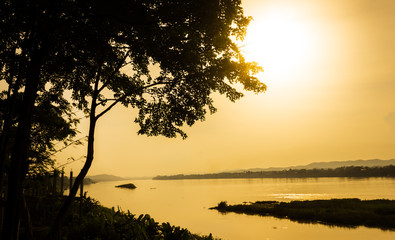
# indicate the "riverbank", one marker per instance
pixel 378 213
pixel 90 220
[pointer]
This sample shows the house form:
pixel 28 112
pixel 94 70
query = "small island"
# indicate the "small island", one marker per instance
pixel 128 185
pixel 379 213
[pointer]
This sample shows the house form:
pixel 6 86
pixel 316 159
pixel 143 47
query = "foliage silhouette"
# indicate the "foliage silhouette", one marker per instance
pixel 51 123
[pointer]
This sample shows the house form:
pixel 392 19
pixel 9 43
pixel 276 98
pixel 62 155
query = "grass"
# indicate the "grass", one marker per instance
pixel 378 213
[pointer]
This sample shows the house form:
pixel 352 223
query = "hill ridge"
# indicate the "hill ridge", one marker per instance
pixel 331 164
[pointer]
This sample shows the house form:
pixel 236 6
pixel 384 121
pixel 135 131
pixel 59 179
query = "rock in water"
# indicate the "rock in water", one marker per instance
pixel 128 185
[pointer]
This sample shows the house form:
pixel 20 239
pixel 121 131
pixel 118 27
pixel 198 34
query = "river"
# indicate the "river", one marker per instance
pixel 186 203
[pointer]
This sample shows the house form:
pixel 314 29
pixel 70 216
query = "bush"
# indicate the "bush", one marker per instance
pixel 222 205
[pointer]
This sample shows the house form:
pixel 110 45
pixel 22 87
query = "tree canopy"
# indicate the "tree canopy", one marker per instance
pixel 165 58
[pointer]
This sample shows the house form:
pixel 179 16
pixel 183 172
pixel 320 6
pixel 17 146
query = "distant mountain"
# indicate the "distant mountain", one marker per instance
pixel 333 164
pixel 105 178
pixel 336 164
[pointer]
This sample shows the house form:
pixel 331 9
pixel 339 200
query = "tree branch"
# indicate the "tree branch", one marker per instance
pixel 116 101
pixel 154 84
pixel 109 107
pixel 104 101
pixel 119 66
pixel 67 145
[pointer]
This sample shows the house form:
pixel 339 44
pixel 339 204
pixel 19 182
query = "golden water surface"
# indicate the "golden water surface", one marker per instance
pixel 186 203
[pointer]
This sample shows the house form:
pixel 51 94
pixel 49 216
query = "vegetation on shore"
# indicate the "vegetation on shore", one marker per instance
pixel 378 213
pixel 354 171
pixel 89 220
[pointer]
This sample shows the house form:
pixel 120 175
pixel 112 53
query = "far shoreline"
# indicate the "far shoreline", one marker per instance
pixel 341 172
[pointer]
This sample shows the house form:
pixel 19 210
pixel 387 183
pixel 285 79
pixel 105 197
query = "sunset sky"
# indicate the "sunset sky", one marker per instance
pixel 330 71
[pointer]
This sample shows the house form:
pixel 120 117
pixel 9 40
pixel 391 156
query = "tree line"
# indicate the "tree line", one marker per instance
pixel 352 171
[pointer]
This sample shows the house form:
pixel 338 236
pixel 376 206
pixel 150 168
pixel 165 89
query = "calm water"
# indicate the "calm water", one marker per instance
pixel 185 203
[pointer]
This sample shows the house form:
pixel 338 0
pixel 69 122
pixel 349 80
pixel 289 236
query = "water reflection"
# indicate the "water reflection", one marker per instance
pixel 298 196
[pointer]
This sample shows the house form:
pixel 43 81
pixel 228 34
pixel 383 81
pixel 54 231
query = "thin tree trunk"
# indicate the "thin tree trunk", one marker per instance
pixel 55 233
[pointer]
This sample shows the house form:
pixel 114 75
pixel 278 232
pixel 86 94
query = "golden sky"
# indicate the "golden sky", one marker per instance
pixel 330 70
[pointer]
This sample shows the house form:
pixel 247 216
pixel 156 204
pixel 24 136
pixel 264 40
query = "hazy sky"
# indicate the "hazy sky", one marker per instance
pixel 330 70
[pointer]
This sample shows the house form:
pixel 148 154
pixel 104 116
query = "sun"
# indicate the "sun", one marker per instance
pixel 280 41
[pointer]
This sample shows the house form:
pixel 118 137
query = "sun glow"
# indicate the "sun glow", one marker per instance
pixel 280 41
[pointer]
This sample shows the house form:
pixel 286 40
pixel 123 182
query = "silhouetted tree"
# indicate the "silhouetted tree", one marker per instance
pixel 164 58
pixel 38 44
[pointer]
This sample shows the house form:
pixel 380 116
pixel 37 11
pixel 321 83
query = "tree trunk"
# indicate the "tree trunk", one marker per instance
pixel 55 233
pixel 27 220
pixel 4 143
pixel 19 154
pixel 5 134
pixel 4 140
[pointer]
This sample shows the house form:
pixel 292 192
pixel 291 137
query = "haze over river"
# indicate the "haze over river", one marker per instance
pixel 186 203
